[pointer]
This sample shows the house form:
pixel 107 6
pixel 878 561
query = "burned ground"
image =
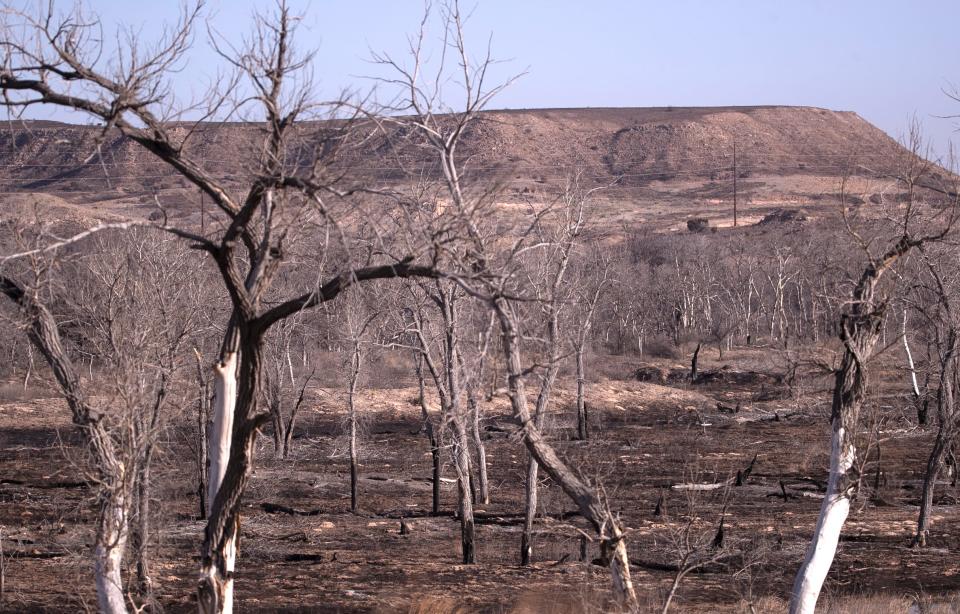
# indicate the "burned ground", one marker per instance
pixel 303 551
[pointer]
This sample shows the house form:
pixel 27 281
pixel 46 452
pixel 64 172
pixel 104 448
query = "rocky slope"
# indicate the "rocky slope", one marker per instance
pixel 526 148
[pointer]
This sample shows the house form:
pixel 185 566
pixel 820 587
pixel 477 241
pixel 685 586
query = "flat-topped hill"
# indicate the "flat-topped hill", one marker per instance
pixel 632 145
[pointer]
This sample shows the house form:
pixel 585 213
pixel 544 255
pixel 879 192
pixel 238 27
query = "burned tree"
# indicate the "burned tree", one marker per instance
pixel 937 291
pixel 592 283
pixel 285 384
pixel 139 309
pixel 859 331
pixel 290 194
pixel 357 320
pixel 486 269
pixel 440 352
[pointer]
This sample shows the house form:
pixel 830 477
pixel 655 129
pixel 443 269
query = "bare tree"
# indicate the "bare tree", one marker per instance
pixel 940 322
pixel 473 380
pixel 445 366
pixel 138 310
pixel 285 385
pixel 593 281
pixel 860 329
pixel 486 280
pixel 53 59
pixel 357 320
pixel 569 227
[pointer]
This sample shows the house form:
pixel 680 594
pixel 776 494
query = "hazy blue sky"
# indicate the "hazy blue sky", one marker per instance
pixel 887 60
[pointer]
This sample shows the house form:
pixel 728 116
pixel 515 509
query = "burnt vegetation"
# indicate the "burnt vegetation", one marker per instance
pixel 331 356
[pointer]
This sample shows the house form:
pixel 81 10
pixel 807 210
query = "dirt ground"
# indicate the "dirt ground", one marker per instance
pixel 647 438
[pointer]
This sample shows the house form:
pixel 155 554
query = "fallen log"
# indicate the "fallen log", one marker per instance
pixel 277 508
pixel 737 480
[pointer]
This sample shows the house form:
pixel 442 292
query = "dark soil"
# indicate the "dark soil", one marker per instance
pixel 301 550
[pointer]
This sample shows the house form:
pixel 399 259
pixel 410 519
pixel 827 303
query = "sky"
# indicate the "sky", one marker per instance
pixel 889 61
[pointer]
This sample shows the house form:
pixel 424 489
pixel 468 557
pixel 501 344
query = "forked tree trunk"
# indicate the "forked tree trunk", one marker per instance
pixel 932 473
pixel 481 468
pixel 292 419
pixel 859 332
pixel 606 525
pixel 946 431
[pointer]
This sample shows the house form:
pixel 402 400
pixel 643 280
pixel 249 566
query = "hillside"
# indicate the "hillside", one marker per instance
pixel 649 156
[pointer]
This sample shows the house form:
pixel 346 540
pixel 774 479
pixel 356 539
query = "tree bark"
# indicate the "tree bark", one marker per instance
pixel 140 535
pixel 606 525
pixel 237 385
pixel 431 434
pixel 353 455
pixel 530 511
pixel 582 429
pixel 224 404
pixel 203 418
pixel 108 552
pixel 945 435
pixel 462 464
pixel 860 330
pixel 934 466
pixel 693 363
pixel 481 468
pixel 113 523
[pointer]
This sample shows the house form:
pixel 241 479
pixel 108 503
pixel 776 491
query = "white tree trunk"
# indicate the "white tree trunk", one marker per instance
pixel 913 369
pixel 221 436
pixel 108 555
pixel 833 514
pixel 224 402
pixel 231 558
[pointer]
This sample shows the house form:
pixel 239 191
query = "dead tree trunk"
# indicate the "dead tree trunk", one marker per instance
pixel 292 418
pixel 481 465
pixel 946 333
pixel 693 363
pixel 351 401
pixel 859 331
pixel 582 429
pixel 431 434
pixel 934 467
pixel 531 491
pixel 593 509
pixel 461 447
pixel 474 381
pixel 140 533
pixel 112 523
pixel 465 499
pixel 449 387
pixel 203 419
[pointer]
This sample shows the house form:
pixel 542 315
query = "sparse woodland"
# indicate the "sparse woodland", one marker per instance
pixel 344 392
